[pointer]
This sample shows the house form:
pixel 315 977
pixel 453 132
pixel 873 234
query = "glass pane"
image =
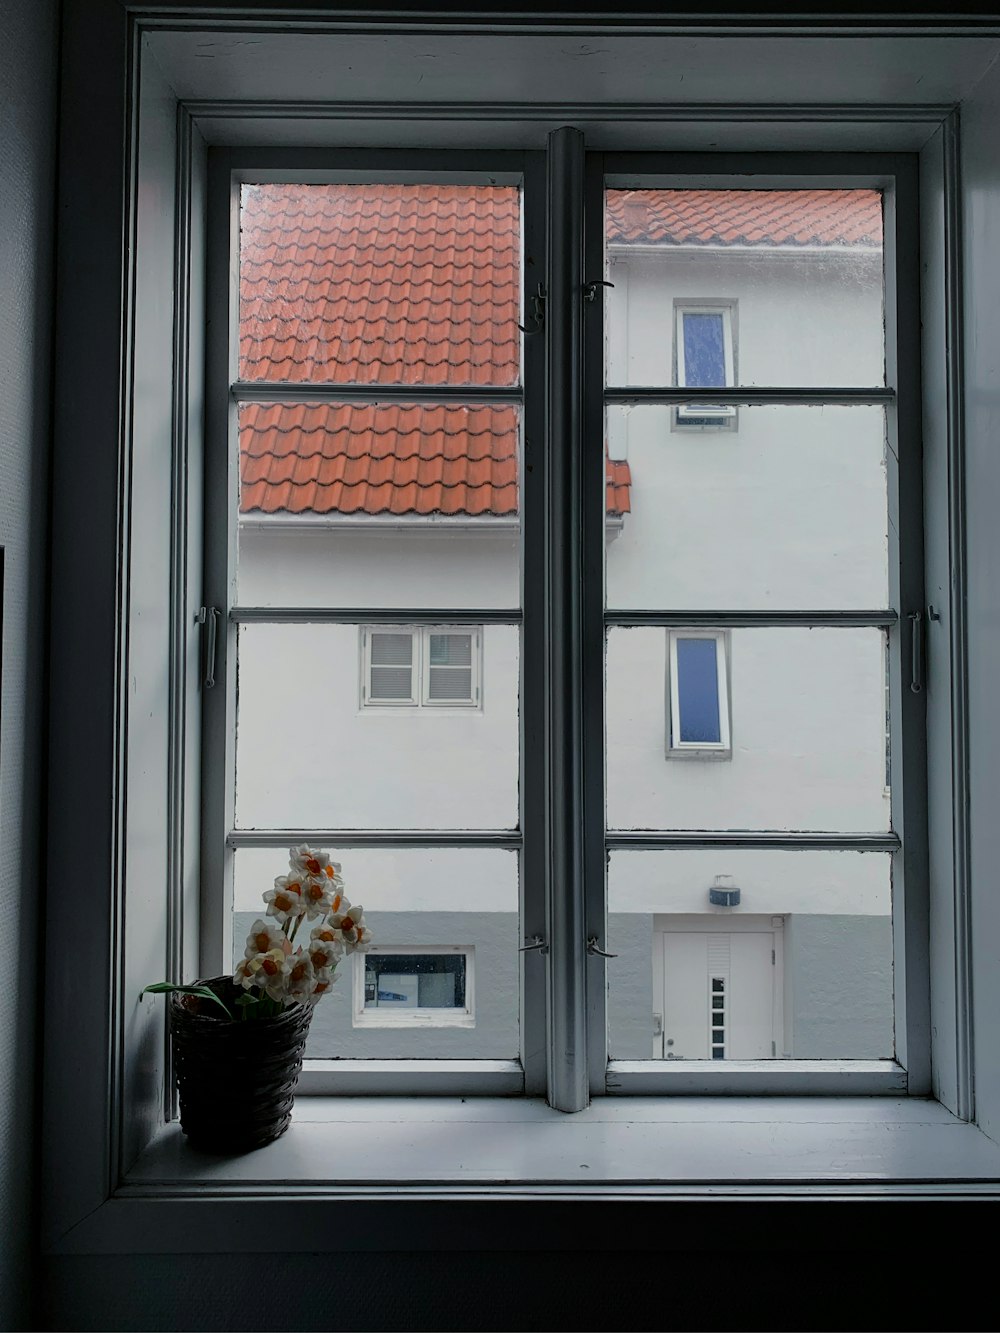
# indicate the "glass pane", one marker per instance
pixel 391 683
pixel 442 979
pixel 805 959
pixel 451 649
pixel 416 981
pixel 380 284
pixel 450 683
pixel 318 752
pixel 745 287
pixel 808 734
pixel 783 507
pixel 698 691
pixel 378 504
pixel 703 348
pixel 392 649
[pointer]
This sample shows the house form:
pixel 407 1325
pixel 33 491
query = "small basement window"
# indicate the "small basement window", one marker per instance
pixel 406 986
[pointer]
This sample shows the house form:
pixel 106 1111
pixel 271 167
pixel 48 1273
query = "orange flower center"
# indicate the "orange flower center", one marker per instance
pixel 261 943
pixel 269 966
pixel 312 865
pixel 330 872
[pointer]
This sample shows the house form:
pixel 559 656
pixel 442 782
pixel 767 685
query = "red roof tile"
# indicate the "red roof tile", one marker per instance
pixel 745 217
pixel 380 284
pixel 351 458
pixel 420 284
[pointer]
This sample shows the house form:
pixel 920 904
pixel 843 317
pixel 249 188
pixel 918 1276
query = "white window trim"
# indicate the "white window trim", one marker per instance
pixel 697 414
pixel 420 668
pixel 419 1018
pixel 676 748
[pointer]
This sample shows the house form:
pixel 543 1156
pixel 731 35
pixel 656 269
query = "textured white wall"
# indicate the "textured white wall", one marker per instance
pixel 27 77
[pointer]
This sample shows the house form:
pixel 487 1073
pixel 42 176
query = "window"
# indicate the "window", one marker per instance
pixel 393 523
pixel 420 667
pixel 705 359
pixel 429 986
pixel 698 695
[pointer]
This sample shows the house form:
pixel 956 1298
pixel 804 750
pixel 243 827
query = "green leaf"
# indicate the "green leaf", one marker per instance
pixel 247 999
pixel 204 992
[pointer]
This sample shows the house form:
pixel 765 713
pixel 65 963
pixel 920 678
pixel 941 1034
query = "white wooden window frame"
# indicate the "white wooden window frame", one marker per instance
pixel 465 1017
pixel 695 414
pixel 115 1181
pixel 677 748
pixel 420 667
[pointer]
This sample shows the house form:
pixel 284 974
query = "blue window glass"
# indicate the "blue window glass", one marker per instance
pixel 704 350
pixel 698 691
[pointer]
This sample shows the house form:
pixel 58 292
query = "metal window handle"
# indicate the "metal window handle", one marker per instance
pixel 208 619
pixel 916 651
pixel 595 951
pixel 590 289
pixel 536 942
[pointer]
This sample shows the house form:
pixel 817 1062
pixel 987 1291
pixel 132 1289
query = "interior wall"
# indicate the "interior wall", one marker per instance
pixel 27 77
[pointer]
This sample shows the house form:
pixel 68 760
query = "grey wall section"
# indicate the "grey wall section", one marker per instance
pixel 630 986
pixel 27 78
pixel 494 938
pixel 838 987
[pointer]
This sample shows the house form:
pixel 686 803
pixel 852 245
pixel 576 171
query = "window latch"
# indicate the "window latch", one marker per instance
pixel 590 289
pixel 536 942
pixel 595 951
pixel 916 620
pixel 537 313
pixel 208 619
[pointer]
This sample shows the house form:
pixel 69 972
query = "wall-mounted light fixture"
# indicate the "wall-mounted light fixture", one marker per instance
pixel 724 892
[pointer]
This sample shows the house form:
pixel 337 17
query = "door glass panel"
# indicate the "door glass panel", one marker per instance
pixel 723 288
pixel 803 960
pixel 380 283
pixel 441 979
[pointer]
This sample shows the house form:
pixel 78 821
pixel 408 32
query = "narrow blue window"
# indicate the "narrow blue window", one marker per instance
pixel 698 692
pixel 704 350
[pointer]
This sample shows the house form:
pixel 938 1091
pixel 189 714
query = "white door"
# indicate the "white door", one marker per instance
pixel 719 995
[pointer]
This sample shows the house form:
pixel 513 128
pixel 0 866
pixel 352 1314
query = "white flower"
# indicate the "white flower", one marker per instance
pixel 263 938
pixel 299 978
pixel 323 981
pixel 285 901
pixel 307 861
pixel 265 971
pixel 350 922
pixel 325 953
pixel 318 895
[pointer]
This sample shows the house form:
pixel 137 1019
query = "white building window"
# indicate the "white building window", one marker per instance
pixel 415 986
pixel 425 667
pixel 704 357
pixel 698 694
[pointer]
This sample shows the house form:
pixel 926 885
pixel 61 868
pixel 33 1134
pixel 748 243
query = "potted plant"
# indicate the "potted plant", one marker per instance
pixel 238 1040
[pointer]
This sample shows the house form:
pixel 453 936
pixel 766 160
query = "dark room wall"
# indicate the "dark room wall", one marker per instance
pixel 28 49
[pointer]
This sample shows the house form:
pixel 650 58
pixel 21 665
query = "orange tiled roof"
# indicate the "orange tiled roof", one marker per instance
pixel 378 284
pixel 746 217
pixel 354 458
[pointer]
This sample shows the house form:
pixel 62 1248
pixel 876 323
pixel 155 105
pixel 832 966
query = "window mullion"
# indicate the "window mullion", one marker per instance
pixel 567 1077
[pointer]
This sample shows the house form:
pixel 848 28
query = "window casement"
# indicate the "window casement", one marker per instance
pixel 424 986
pixel 698 721
pixel 408 505
pixel 430 666
pixel 705 358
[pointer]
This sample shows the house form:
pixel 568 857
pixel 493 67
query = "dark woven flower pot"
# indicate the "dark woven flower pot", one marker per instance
pixel 236 1080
